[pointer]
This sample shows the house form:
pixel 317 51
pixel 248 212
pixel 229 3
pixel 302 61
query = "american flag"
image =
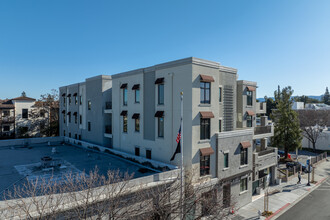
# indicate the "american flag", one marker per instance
pixel 179 136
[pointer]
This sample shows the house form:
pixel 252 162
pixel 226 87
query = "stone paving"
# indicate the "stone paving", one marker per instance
pixel 289 194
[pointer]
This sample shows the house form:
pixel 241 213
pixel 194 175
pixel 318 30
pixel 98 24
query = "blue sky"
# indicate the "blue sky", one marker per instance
pixel 48 44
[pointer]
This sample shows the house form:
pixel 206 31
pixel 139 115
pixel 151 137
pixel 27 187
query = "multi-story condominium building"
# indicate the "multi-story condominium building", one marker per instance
pixel 18 117
pixel 138 112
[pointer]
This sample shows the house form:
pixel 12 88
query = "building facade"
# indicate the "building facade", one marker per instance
pixel 138 112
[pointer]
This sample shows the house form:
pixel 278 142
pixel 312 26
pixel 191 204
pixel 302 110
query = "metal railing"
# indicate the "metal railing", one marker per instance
pixel 108 105
pixel 108 129
pixel 269 150
pixel 262 130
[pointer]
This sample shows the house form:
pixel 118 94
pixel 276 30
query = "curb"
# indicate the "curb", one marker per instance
pixel 289 205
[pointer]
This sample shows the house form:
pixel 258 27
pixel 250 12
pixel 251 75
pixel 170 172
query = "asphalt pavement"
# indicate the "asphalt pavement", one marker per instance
pixel 315 205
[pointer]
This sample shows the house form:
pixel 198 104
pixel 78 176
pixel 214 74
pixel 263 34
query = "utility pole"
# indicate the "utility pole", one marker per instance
pixel 309 170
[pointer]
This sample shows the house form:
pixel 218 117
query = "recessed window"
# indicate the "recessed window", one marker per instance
pixel 220 94
pixel 75 119
pixel 75 136
pixel 137 151
pixel 243 184
pixel 69 134
pixel 244 156
pixel 161 126
pixel 6 128
pixel 205 128
pixel 64 101
pixel 205 92
pixel 249 121
pixel 125 96
pixel 220 126
pixel 89 105
pixel 137 124
pixel 25 113
pixel 80 100
pixel 125 123
pixel 204 165
pixel 64 117
pixel 70 100
pixel 148 154
pixel 80 119
pixel 69 118
pixel 75 101
pixel 89 126
pixel 249 95
pixel 137 96
pixel 79 137
pixel 63 132
pixel 226 160
pixel 160 94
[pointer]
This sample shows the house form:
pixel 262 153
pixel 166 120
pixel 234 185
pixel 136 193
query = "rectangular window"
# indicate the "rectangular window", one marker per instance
pixel 80 119
pixel 205 92
pixel 75 119
pixel 89 105
pixel 160 126
pixel 69 118
pixel 220 126
pixel 243 185
pixel 64 101
pixel 75 136
pixel 220 94
pixel 6 113
pixel 137 96
pixel 79 137
pixel 64 117
pixel 226 160
pixel 137 151
pixel 249 96
pixel 205 128
pixel 70 100
pixel 160 94
pixel 125 123
pixel 80 100
pixel 124 96
pixel 25 113
pixel 204 165
pixel 6 128
pixel 137 125
pixel 75 101
pixel 148 154
pixel 69 134
pixel 89 126
pixel 244 156
pixel 63 132
pixel 249 121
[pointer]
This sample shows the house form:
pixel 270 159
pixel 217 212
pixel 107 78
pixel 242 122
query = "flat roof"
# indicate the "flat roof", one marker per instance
pixel 19 164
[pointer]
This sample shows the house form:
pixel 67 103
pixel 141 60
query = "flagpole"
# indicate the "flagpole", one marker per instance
pixel 181 139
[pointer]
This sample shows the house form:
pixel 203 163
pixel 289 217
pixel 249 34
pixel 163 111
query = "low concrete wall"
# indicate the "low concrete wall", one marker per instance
pixel 141 160
pixel 28 141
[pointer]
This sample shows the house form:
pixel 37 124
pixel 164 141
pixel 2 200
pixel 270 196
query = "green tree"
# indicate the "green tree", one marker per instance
pixel 326 97
pixel 287 133
pixel 270 105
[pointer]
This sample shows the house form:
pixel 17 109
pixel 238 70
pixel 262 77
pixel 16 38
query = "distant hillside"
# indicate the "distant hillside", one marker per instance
pixel 310 96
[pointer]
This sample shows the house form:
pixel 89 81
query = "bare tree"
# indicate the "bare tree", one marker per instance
pixel 312 123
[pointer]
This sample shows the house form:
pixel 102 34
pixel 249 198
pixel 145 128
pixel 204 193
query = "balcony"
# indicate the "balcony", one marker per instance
pixel 108 131
pixel 263 131
pixel 261 108
pixel 265 158
pixel 108 107
pixel 7 119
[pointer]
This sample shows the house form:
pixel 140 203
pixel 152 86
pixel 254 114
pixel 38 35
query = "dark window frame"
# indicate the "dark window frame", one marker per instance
pixel 125 96
pixel 226 160
pixel 137 125
pixel 148 154
pixel 125 124
pixel 249 98
pixel 89 125
pixel 25 113
pixel 244 156
pixel 249 121
pixel 137 151
pixel 244 184
pixel 205 163
pixel 205 98
pixel 161 125
pixel 220 94
pixel 89 105
pixel 205 128
pixel 137 95
pixel 161 94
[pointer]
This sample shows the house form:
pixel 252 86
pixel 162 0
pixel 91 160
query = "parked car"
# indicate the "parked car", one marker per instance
pixel 304 168
pixel 282 154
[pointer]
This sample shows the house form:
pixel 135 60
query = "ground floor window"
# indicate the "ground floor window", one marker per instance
pixel 137 151
pixel 243 184
pixel 204 165
pixel 148 154
pixel 226 160
pixel 125 123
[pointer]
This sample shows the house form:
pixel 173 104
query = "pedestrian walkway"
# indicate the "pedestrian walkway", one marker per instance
pixel 283 195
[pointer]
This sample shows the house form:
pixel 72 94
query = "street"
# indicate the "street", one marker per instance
pixel 316 205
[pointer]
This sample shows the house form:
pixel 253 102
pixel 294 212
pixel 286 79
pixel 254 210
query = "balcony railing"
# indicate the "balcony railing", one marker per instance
pixel 262 130
pixel 269 150
pixel 7 119
pixel 108 105
pixel 108 129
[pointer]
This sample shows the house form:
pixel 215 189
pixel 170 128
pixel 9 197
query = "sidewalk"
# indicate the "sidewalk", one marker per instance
pixel 291 193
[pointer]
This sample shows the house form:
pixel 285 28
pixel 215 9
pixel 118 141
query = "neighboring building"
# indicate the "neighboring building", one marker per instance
pixel 317 106
pixel 19 117
pixel 298 105
pixel 138 112
pixel 322 143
